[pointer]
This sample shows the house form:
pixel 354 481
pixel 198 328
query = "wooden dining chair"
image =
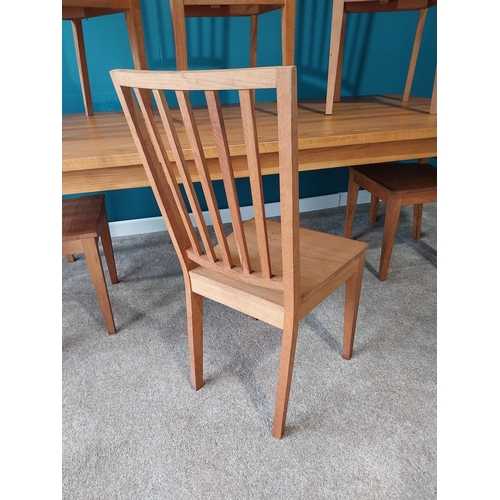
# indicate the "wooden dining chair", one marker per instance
pixel 84 221
pixel 76 10
pixel 272 271
pixel 398 185
pixel 339 14
pixel 181 9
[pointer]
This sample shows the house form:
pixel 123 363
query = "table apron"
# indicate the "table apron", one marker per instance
pixel 134 176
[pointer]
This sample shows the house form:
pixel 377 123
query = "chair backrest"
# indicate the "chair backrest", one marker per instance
pixel 181 9
pixel 174 145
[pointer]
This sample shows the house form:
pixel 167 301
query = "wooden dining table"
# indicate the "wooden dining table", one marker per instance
pixel 98 152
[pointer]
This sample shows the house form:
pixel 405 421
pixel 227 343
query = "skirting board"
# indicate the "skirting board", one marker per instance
pixel 156 224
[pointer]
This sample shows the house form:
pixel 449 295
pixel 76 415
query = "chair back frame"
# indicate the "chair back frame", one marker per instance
pixel 146 124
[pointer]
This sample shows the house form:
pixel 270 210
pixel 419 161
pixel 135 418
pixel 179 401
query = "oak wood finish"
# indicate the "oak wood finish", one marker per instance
pixel 84 221
pixel 181 9
pixel 397 185
pixel 339 16
pixel 272 271
pixel 76 10
pixel 98 153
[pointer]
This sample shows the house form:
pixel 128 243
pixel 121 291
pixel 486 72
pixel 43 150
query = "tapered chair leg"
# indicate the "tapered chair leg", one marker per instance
pixel 352 199
pixel 82 65
pixel 254 26
pixel 352 296
pixel 335 44
pixel 374 201
pixel 94 264
pixel 338 78
pixel 417 220
pixel 107 246
pixel 287 358
pixel 390 226
pixel 194 309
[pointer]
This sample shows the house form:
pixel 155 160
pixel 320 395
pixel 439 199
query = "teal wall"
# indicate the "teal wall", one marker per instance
pixel 377 52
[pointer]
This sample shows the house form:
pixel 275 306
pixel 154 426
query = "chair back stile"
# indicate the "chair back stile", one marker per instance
pixel 194 245
pixel 289 190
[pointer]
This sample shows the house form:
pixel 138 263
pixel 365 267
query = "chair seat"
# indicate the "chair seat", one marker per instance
pixel 322 256
pixel 219 9
pixel 400 177
pixel 82 217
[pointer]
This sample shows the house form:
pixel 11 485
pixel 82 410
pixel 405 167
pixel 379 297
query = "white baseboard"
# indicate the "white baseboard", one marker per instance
pixel 156 224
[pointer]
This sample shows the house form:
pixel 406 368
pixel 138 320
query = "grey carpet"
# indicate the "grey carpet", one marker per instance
pixel 133 428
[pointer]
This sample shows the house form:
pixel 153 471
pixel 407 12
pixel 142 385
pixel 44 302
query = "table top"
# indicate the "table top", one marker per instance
pixel 360 130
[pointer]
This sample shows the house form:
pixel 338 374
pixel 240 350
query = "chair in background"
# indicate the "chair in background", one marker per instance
pixel 180 9
pixel 76 10
pixel 398 185
pixel 340 10
pixel 84 221
pixel 272 271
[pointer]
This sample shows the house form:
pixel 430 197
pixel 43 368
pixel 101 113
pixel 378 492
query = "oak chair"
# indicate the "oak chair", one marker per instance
pixel 398 185
pixel 339 13
pixel 76 10
pixel 273 271
pixel 181 9
pixel 84 221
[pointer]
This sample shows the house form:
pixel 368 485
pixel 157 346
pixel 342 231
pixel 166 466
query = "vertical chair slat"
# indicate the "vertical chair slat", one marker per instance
pixel 204 174
pixel 180 160
pixel 220 136
pixel 154 171
pixel 161 153
pixel 252 148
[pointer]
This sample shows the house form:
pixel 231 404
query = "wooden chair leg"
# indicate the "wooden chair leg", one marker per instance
pixel 374 201
pixel 254 25
pixel 352 295
pixel 414 54
pixel 287 358
pixel 179 28
pixel 288 33
pixel 417 220
pixel 82 65
pixel 70 258
pixel 338 77
pixel 390 226
pixel 335 42
pixel 433 108
pixel 352 199
pixel 194 308
pixel 135 32
pixel 94 264
pixel 108 249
